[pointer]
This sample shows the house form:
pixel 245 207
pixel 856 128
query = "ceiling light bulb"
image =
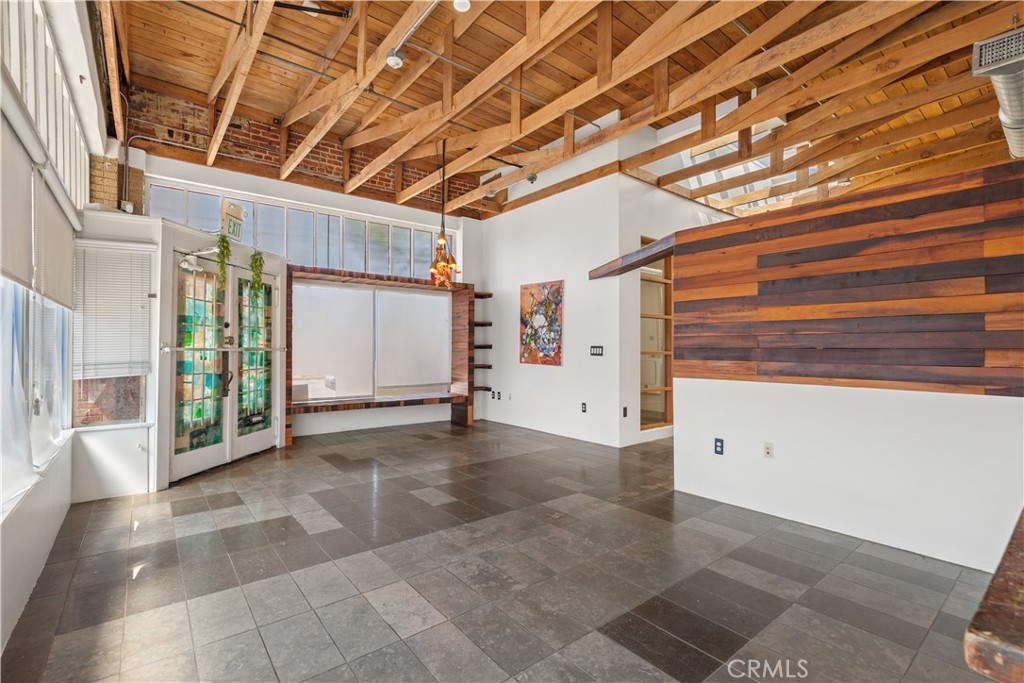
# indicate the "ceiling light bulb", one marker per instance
pixel 461 5
pixel 395 59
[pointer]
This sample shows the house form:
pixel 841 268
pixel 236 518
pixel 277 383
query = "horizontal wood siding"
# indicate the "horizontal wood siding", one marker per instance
pixel 914 287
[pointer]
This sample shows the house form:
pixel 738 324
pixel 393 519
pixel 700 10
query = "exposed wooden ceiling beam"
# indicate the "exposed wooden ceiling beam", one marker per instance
pixel 121 27
pixel 113 73
pixel 342 92
pixel 679 26
pixel 258 26
pixel 233 45
pixel 683 93
pixel 334 45
pixel 418 67
pixel 551 23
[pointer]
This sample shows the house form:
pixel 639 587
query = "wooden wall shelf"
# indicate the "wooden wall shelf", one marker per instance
pixel 482 366
pixel 377 402
pixel 481 389
pixel 482 295
pixel 482 323
pixel 483 346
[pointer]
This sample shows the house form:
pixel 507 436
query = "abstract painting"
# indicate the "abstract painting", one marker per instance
pixel 540 323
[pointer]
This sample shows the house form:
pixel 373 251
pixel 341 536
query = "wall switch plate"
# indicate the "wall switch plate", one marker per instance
pixel 769 449
pixel 719 446
pixel 584 407
pixel 596 350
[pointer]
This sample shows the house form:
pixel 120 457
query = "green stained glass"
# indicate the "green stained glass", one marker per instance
pixel 254 399
pixel 199 391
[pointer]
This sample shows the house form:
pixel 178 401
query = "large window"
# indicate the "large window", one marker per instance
pixel 304 235
pixel 364 347
pixel 112 335
pixel 34 373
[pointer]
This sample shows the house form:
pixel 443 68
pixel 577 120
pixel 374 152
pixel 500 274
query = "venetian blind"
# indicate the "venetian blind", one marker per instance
pixel 112 312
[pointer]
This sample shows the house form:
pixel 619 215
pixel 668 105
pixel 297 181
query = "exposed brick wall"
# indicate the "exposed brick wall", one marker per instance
pixel 179 121
pixel 106 180
pixel 113 399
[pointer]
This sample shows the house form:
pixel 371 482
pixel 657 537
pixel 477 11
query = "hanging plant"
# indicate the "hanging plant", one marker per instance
pixel 223 254
pixel 256 266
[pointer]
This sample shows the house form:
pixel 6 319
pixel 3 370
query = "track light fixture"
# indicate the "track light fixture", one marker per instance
pixel 461 5
pixel 395 58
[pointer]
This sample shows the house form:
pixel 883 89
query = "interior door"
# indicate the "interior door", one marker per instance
pixel 223 388
pixel 251 392
pixel 200 438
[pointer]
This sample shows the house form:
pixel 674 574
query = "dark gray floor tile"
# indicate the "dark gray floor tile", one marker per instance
pixel 256 564
pixel 872 621
pixel 54 579
pixel 448 594
pixel 673 656
pixel 93 605
pixel 208 576
pixel 218 501
pixel 703 634
pixel 391 663
pixel 238 659
pixel 510 645
pixel 152 588
pixel 777 565
pixel 246 536
pixel 200 547
pixel 188 506
pixel 98 569
pixel 896 570
pixel 736 591
pixel 339 543
pixel 606 660
pixel 299 553
pixel 554 668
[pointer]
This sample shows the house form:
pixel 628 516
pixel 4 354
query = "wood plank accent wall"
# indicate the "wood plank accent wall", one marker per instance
pixel 916 287
pixel 462 346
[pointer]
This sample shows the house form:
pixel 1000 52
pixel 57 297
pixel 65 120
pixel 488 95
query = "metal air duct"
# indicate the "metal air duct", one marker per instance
pixel 1002 59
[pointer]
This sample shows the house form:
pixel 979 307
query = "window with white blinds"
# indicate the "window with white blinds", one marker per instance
pixel 112 309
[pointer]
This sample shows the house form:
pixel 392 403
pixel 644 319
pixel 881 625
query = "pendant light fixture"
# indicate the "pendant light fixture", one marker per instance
pixel 444 267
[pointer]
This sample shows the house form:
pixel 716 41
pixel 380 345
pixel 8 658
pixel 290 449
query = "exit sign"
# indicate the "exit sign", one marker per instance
pixel 231 217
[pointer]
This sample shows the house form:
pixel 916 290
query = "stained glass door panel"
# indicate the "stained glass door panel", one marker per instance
pixel 198 418
pixel 255 313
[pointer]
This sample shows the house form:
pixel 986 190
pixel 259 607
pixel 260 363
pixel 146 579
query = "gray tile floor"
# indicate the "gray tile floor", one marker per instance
pixel 432 552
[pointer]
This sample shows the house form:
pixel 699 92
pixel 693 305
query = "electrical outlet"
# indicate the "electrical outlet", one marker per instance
pixel 719 446
pixel 584 407
pixel 492 394
pixel 769 449
pixel 499 395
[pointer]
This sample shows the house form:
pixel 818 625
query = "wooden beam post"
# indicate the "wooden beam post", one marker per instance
pixel 259 25
pixel 113 72
pixel 334 46
pixel 346 163
pixel 604 44
pixel 707 118
pixel 516 104
pixel 283 144
pixel 361 47
pixel 745 139
pixel 568 135
pixel 447 69
pixel 532 17
pixel 660 77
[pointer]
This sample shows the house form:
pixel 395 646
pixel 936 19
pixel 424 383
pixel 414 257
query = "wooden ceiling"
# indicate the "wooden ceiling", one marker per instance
pixel 871 93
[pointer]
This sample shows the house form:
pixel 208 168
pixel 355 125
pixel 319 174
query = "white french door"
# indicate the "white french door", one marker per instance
pixel 223 369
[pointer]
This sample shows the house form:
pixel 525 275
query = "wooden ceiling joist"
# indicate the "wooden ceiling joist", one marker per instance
pixel 259 24
pixel 110 55
pixel 344 91
pixel 551 26
pixel 825 91
pixel 657 43
pixel 334 45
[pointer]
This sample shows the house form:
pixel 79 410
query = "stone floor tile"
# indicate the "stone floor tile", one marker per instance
pixel 238 659
pixel 219 615
pixel 299 647
pixel 405 610
pixel 450 656
pixel 356 627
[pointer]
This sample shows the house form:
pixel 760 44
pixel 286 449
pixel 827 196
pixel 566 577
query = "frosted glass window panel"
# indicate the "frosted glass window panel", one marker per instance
pixel 378 236
pixel 328 241
pixel 401 251
pixel 270 228
pixel 167 202
pixel 414 338
pixel 248 220
pixel 300 237
pixel 204 211
pixel 423 254
pixel 355 245
pixel 332 347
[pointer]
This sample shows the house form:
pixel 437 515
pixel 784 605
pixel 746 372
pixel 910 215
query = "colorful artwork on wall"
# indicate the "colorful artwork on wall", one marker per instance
pixel 540 323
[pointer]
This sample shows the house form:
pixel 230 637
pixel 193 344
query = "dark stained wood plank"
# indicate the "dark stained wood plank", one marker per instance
pixel 655 251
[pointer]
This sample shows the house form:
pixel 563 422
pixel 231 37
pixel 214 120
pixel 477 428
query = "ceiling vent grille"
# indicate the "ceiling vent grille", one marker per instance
pixel 1002 59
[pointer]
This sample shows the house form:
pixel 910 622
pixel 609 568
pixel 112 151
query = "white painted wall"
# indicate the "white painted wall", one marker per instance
pixel 109 462
pixel 27 535
pixel 937 474
pixel 565 237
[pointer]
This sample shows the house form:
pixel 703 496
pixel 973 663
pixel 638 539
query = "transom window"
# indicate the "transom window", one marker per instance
pixel 304 235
